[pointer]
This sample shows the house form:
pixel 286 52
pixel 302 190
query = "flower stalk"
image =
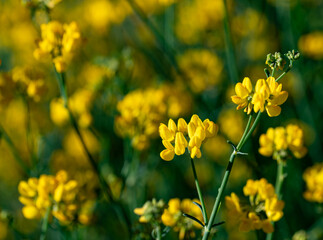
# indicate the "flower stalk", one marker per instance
pixel 199 192
pixel 236 151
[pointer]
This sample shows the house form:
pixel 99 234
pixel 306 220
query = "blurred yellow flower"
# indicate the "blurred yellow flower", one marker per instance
pixel 202 68
pixel 56 193
pixel 197 17
pixel 311 45
pixel 278 142
pixel 197 132
pixel 313 177
pixel 264 207
pixel 141 111
pixel 58 41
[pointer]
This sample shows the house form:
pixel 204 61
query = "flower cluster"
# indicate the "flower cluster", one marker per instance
pixel 197 131
pixel 173 216
pixel 59 42
pixel 313 177
pixel 202 68
pixel 264 207
pixel 267 95
pixel 196 18
pixel 141 111
pixel 279 142
pixel 56 194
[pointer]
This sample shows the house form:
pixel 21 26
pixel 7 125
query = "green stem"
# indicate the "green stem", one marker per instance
pixel 280 177
pixel 104 185
pixel 199 192
pixel 233 71
pixel 14 150
pixel 30 141
pixel 245 132
pixel 254 125
pixel 158 232
pixel 226 176
pixel 273 72
pixel 284 73
pixel 44 225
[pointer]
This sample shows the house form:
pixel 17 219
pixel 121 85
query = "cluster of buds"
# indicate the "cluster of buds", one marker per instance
pixel 197 131
pixel 55 194
pixel 59 42
pixel 281 143
pixel 267 95
pixel 277 60
pixel 264 207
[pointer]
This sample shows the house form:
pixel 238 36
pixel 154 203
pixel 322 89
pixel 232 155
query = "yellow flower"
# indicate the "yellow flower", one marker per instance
pixel 201 68
pixel 313 177
pixel 278 141
pixel 264 207
pixel 268 95
pixel 197 132
pixel 55 192
pixel 243 95
pixel 58 41
pixel 141 111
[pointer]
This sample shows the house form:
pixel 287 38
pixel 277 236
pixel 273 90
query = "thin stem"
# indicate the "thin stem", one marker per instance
pixel 273 72
pixel 14 150
pixel 30 141
pixel 254 125
pixel 280 177
pixel 163 44
pixel 199 192
pixel 44 225
pixel 284 73
pixel 225 179
pixel 229 46
pixel 245 132
pixel 158 232
pixel 104 185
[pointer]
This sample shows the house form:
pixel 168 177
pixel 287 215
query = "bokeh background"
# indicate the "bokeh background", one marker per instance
pixel 140 63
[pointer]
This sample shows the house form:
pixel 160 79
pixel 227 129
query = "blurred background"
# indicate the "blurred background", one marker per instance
pixel 139 63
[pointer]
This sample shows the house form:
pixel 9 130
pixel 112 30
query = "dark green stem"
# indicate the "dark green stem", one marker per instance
pixel 163 44
pixel 16 155
pixel 199 192
pixel 104 185
pixel 225 179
